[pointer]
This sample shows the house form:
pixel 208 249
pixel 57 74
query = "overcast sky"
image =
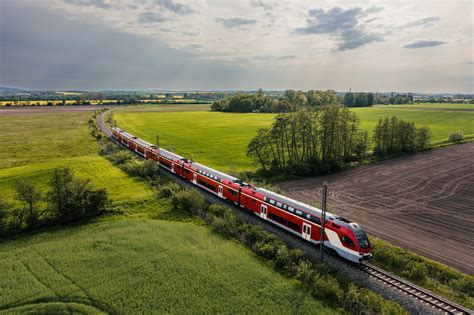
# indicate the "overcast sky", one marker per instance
pixel 408 46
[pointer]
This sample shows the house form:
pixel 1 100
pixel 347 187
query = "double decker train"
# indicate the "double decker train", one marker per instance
pixel 344 237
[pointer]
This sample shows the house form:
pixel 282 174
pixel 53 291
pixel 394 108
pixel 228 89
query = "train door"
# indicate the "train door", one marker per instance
pixel 263 212
pixel 306 231
pixel 220 191
pixel 194 178
pixel 172 168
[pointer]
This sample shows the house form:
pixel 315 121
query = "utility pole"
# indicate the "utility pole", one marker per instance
pixel 158 141
pixel 323 219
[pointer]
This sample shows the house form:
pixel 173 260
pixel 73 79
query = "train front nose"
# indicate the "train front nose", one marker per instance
pixel 365 257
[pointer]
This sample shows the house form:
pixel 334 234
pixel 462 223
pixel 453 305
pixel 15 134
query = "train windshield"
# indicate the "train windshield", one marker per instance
pixel 361 237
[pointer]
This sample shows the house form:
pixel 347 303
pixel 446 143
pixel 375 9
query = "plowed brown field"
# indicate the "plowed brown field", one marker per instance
pixel 422 202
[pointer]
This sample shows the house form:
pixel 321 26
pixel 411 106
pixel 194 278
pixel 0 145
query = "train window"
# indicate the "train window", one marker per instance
pixel 187 171
pixel 347 241
pixel 284 221
pixel 272 201
pixel 315 220
pixel 285 207
pixel 232 192
pixel 279 204
pixel 298 212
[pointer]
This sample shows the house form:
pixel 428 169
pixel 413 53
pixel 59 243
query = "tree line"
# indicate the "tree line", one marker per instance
pixel 322 140
pixel 260 103
pixel 393 135
pixel 309 141
pixel 69 199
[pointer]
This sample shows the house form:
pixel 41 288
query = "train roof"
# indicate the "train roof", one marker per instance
pixel 169 154
pixel 293 203
pixel 143 142
pixel 214 172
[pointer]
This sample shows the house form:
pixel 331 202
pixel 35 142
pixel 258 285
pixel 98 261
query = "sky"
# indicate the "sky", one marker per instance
pixel 378 45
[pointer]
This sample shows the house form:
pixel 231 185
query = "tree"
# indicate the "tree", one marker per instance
pixel 349 99
pixel 370 99
pixel 29 196
pixel 423 137
pixel 60 193
pixel 258 148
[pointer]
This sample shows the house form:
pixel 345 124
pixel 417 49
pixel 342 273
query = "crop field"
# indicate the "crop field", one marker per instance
pixel 135 266
pixel 36 142
pixel 212 138
pixel 441 122
pixel 220 139
pixel 413 201
pixel 121 265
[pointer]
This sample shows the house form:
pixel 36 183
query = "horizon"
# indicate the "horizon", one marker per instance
pixel 199 45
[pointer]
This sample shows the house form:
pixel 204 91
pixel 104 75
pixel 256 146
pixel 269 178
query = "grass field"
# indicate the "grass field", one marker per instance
pixel 445 106
pixel 135 266
pixel 212 138
pixel 34 144
pixel 122 265
pixel 220 139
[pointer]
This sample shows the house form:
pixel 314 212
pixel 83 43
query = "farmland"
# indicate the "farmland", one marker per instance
pixel 120 265
pixel 135 266
pixel 213 138
pixel 36 142
pixel 220 139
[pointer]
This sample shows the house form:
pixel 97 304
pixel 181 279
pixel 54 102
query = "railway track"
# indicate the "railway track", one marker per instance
pixel 434 301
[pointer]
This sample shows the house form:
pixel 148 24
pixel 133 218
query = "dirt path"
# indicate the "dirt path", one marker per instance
pixel 423 202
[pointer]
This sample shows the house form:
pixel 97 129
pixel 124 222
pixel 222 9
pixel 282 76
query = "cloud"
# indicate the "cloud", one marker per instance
pixel 174 7
pixel 424 44
pixel 235 22
pixel 424 22
pixel 53 53
pixel 341 23
pixel 262 4
pixel 287 57
pixel 103 4
pixel 152 17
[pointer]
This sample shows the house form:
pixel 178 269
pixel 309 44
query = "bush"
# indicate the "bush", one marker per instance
pixel 189 200
pixel 120 157
pixel 456 136
pixel 168 190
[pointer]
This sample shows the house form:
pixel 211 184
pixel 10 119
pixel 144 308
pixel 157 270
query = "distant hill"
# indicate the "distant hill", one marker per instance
pixel 9 89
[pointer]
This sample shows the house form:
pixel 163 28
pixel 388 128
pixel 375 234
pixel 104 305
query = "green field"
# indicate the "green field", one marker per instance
pixel 212 138
pixel 122 265
pixel 444 106
pixel 33 144
pixel 135 266
pixel 220 139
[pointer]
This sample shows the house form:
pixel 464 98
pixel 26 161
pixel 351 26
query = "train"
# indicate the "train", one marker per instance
pixel 342 236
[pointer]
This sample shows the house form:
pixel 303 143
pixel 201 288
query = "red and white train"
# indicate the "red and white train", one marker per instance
pixel 344 237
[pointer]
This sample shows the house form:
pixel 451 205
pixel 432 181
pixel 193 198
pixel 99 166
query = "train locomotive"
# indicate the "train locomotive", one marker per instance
pixel 342 236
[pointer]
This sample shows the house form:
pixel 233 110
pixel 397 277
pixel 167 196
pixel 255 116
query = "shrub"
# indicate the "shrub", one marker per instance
pixel 120 157
pixel 189 200
pixel 456 136
pixel 168 190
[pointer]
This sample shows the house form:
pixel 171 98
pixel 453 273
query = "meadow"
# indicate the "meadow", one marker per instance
pixel 125 263
pixel 142 266
pixel 220 139
pixel 33 144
